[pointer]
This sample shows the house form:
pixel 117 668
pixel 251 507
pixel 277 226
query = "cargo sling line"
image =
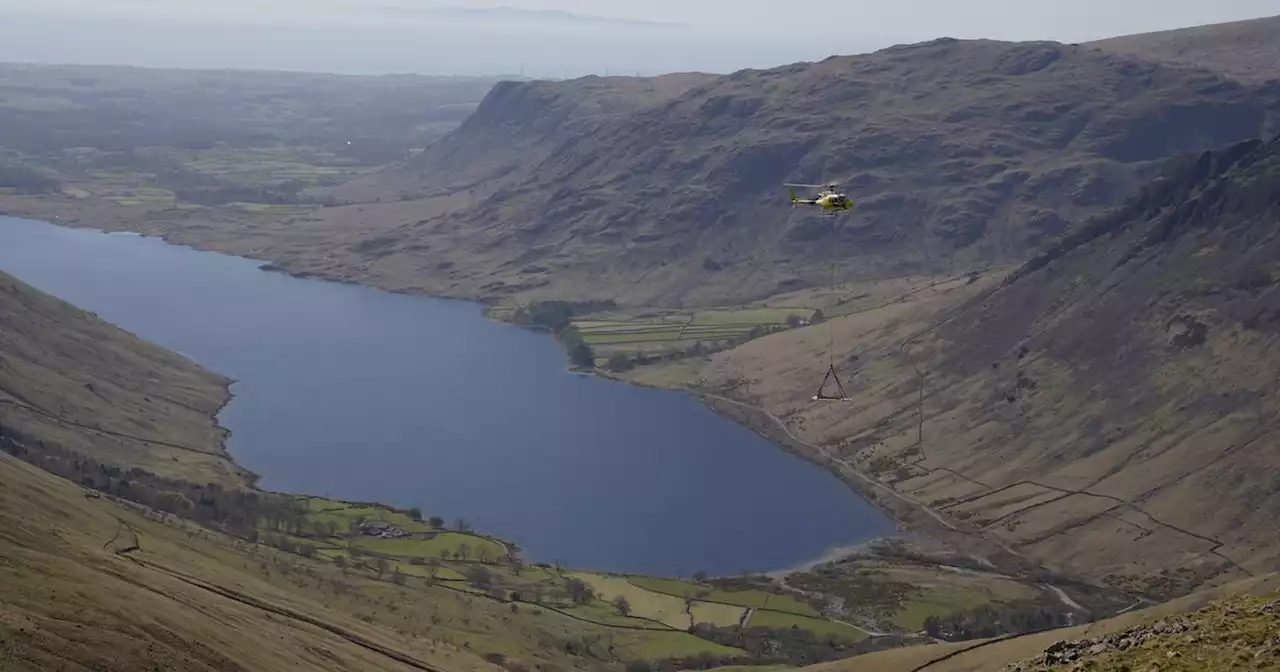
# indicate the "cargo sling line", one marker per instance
pixel 831 340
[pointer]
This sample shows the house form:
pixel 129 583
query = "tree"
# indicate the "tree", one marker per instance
pixel 794 321
pixel 619 362
pixel 340 561
pixel 462 525
pixel 622 605
pixel 415 514
pixel 583 356
pixel 700 577
pixel 436 523
pixel 579 591
pixel 818 317
pixel 27 180
pixel 398 577
pixel 480 577
pixel 464 551
pixel 380 566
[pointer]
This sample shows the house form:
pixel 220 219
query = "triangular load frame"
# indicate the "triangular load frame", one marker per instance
pixel 823 396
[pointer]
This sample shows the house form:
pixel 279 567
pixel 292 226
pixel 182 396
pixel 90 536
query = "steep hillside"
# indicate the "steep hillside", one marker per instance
pixel 1245 50
pixel 1229 627
pixel 960 153
pixel 72 386
pixel 69 377
pixel 1109 409
pixel 187 600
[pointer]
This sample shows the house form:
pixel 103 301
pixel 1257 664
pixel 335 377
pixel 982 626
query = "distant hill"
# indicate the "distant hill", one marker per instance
pixel 668 191
pixel 536 16
pixel 1110 408
pixel 1245 50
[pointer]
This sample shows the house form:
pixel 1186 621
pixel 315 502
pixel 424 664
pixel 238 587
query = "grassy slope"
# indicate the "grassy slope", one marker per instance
pixel 195 599
pixel 68 602
pixel 1246 50
pixel 1135 368
pixel 70 377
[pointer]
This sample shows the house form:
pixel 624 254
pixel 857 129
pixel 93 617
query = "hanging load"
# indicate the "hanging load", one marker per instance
pixel 831 376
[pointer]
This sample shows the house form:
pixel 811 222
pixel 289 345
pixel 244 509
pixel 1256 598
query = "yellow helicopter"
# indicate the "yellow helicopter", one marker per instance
pixel 830 199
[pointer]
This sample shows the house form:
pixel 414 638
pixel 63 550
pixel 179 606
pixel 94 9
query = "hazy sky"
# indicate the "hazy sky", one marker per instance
pixel 721 35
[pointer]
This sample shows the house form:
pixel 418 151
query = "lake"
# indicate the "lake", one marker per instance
pixel 357 393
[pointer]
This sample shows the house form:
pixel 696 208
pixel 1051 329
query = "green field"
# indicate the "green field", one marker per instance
pixel 660 607
pixel 759 599
pixel 652 626
pixel 452 543
pixel 659 645
pixel 774 619
pixel 670 332
pixel 938 602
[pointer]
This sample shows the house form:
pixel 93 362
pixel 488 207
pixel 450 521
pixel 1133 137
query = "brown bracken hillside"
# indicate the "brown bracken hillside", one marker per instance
pixel 1109 408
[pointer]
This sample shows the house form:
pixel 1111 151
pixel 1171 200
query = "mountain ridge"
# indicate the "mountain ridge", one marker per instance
pixel 1245 50
pixel 958 152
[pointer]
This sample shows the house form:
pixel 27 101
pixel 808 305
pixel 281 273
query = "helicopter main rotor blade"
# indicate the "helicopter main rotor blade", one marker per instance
pixel 807 186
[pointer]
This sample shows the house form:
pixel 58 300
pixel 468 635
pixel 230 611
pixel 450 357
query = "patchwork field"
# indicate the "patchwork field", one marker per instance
pixel 759 599
pixel 657 334
pixel 660 607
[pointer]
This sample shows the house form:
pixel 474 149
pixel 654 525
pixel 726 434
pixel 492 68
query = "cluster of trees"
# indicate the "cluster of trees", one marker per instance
pixel 579 591
pixel 238 512
pixel 257 516
pixel 581 354
pixel 27 180
pixel 1014 618
pixel 858 588
pixel 557 316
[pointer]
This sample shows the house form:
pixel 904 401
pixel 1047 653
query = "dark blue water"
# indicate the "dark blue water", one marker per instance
pixel 361 394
